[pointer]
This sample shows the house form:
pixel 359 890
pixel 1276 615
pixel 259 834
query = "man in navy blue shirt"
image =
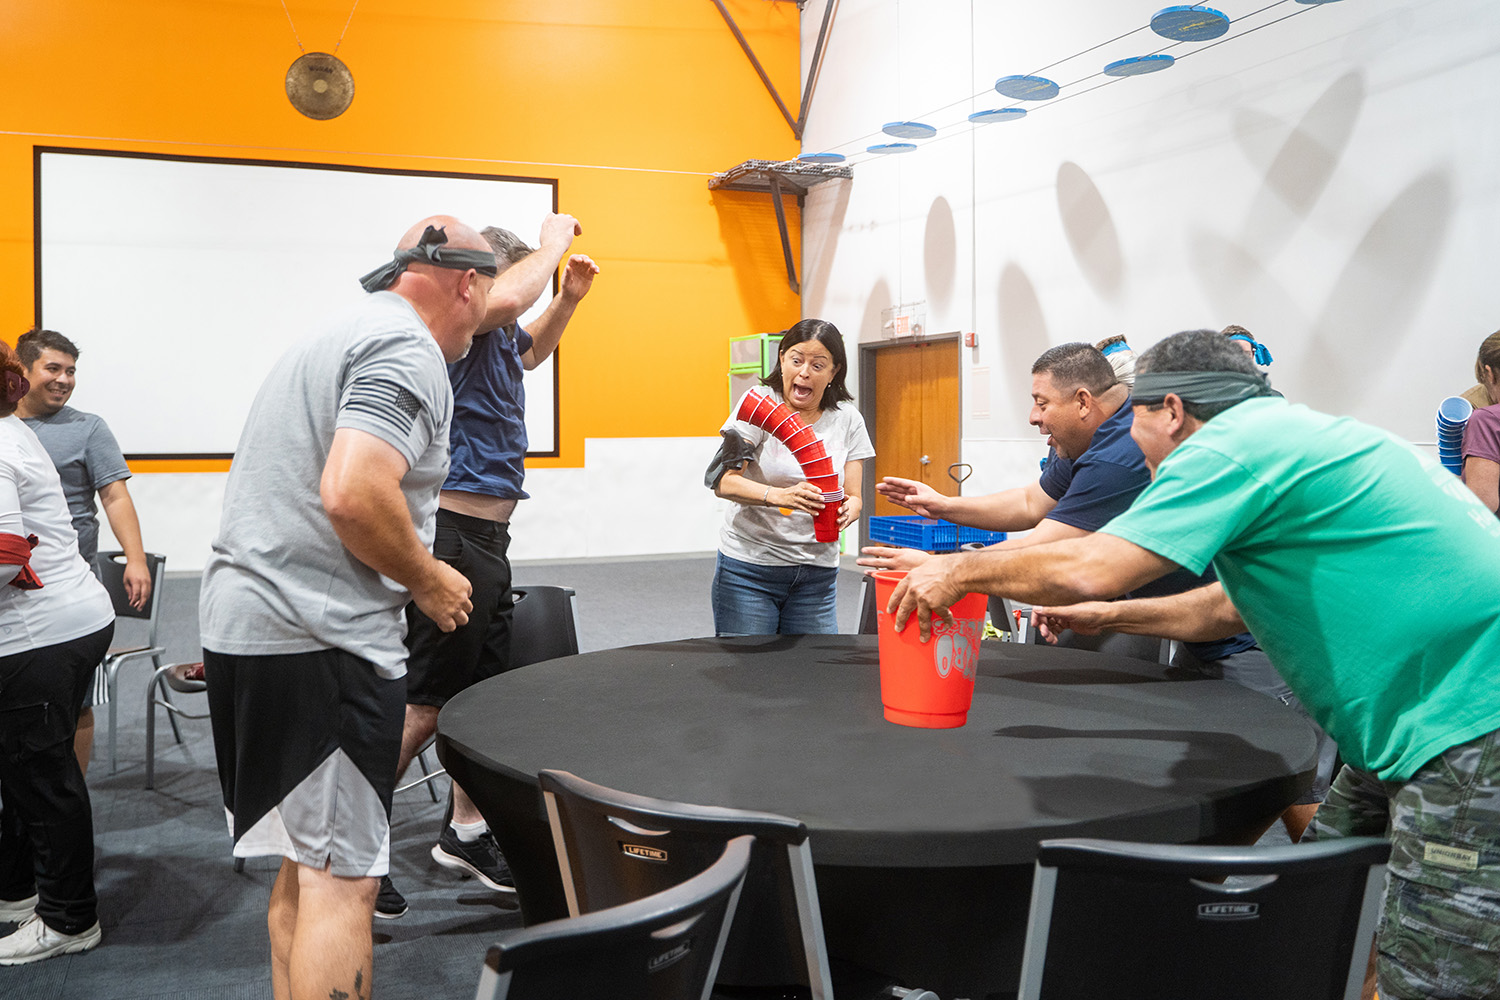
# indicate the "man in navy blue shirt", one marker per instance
pixel 1094 472
pixel 487 446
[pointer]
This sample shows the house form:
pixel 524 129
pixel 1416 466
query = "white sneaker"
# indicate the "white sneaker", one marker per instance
pixel 34 941
pixel 13 911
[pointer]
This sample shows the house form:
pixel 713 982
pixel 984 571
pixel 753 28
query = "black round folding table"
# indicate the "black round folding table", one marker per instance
pixel 922 839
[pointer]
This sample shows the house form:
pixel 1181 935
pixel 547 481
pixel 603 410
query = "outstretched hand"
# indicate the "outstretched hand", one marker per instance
pixel 1086 618
pixel 929 591
pixel 914 496
pixel 890 557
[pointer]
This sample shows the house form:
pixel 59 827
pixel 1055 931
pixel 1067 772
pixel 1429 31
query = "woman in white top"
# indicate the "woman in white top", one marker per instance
pixel 56 622
pixel 773 575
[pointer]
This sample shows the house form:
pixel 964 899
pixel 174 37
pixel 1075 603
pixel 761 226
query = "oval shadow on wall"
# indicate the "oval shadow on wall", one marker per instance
pixel 1023 331
pixel 869 324
pixel 1090 230
pixel 939 255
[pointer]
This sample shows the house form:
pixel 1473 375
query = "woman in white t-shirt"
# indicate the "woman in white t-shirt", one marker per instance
pixel 56 622
pixel 773 575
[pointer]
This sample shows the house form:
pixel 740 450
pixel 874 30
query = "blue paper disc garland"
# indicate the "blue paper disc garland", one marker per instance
pixel 1138 65
pixel 821 158
pixel 1189 23
pixel 997 115
pixel 909 130
pixel 1026 88
pixel 885 149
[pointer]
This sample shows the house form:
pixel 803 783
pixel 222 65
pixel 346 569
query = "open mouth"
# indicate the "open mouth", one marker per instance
pixel 801 393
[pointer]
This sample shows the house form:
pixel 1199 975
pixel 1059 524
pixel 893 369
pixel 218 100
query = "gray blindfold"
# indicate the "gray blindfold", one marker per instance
pixel 430 249
pixel 1208 388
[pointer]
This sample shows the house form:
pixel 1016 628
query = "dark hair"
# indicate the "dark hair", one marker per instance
pixel 10 366
pixel 828 335
pixel 1074 366
pixel 509 248
pixel 1489 354
pixel 1197 351
pixel 31 344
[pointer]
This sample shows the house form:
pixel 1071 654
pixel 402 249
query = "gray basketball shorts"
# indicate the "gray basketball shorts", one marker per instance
pixel 307 746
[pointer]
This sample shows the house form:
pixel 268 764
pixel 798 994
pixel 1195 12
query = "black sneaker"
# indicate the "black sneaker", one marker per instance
pixel 480 858
pixel 390 904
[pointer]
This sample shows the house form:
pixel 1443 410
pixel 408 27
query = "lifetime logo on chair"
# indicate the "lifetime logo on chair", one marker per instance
pixel 1228 911
pixel 643 852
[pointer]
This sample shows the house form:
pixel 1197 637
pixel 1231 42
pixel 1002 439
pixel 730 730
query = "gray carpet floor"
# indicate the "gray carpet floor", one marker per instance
pixel 180 924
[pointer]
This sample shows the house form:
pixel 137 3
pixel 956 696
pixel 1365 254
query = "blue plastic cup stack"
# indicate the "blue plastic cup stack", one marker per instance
pixel 1452 417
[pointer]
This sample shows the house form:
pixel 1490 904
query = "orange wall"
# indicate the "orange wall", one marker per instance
pixel 657 91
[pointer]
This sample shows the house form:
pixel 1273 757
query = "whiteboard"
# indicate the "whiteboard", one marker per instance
pixel 182 280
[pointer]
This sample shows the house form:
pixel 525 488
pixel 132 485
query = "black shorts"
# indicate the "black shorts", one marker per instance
pixel 441 664
pixel 307 746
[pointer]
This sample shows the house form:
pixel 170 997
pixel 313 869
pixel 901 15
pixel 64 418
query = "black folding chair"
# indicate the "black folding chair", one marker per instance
pixel 1174 922
pixel 666 946
pixel 614 847
pixel 544 625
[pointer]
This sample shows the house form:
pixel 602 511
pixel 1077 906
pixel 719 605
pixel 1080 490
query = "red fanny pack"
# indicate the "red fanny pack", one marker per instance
pixel 16 551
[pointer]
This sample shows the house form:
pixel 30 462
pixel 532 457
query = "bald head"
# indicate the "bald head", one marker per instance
pixel 450 301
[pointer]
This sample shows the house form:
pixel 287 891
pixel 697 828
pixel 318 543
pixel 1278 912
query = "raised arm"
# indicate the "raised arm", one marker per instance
pixel 547 331
pixel 1094 567
pixel 1199 615
pixel 523 282
pixel 119 510
pixel 1018 509
pixel 361 491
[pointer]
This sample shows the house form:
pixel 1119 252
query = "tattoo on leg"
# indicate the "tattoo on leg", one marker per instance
pixel 359 984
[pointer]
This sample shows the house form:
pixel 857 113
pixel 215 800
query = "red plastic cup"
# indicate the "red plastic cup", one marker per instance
pixel 810 451
pixel 748 402
pixel 778 414
pixel 826 523
pixel 763 410
pixel 786 428
pixel 825 484
pixel 928 685
pixel 800 438
pixel 818 467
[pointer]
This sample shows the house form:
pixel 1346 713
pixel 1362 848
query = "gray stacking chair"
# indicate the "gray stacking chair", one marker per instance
pixel 1161 921
pixel 111 567
pixel 665 946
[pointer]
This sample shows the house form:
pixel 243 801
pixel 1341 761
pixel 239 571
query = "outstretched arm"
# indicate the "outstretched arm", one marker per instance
pixel 1094 567
pixel 1199 615
pixel 1018 509
pixel 547 331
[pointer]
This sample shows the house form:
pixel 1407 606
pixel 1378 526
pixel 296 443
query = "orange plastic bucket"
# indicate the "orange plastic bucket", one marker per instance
pixel 929 684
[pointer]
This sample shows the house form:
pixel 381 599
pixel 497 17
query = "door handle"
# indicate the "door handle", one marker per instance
pixel 925 460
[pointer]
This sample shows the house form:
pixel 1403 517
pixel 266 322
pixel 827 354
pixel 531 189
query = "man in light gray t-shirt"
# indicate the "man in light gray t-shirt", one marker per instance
pixel 327 521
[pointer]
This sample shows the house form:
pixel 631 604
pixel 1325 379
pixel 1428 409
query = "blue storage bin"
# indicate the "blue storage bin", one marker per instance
pixel 927 534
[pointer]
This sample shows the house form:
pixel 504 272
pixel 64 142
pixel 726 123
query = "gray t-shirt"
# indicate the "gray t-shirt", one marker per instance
pixel 279 580
pixel 87 459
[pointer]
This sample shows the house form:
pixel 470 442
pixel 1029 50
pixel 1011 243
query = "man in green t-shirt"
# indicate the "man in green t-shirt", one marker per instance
pixel 1371 577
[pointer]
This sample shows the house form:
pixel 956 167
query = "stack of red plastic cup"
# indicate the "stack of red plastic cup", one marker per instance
pixel 760 408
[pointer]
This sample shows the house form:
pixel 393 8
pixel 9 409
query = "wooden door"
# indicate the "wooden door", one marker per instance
pixel 916 416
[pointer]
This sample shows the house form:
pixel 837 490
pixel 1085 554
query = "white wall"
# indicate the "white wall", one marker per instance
pixel 1327 181
pixel 633 496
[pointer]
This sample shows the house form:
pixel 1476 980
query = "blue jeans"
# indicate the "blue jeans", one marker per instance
pixel 773 600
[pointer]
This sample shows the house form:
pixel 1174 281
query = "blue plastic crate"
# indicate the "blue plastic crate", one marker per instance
pixel 967 535
pixel 915 532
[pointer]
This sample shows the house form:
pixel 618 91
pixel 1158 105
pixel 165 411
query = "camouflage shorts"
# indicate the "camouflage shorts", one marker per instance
pixel 1439 934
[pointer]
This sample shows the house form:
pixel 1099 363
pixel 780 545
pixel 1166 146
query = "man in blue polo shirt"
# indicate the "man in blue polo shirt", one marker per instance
pixel 1093 473
pixel 487 444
